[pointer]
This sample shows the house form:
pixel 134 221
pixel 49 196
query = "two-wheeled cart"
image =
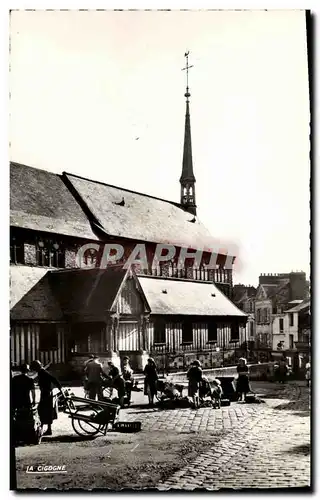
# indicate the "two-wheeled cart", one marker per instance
pixel 90 417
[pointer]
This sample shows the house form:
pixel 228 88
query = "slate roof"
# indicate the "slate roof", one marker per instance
pixel 31 297
pixel 299 307
pixel 242 293
pixel 272 289
pixel 87 293
pixel 187 298
pixel 143 217
pixel 40 200
pixel 76 294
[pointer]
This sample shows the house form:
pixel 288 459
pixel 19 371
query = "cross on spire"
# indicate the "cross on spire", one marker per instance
pixel 186 55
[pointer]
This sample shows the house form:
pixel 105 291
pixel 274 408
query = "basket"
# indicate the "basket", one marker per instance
pixel 225 402
pixel 127 426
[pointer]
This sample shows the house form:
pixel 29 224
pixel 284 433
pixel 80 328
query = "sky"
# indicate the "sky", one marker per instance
pixel 101 95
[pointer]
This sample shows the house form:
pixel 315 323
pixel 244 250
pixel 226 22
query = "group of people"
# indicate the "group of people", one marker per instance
pixel 196 380
pixel 23 394
pixel 96 379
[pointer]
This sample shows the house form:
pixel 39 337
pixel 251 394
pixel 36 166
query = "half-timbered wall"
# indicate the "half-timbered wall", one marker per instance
pixel 129 336
pixel 129 301
pixel 174 339
pixel 25 345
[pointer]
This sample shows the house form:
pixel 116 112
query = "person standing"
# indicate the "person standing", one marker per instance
pixel 117 382
pixel 94 373
pixel 308 373
pixel 127 374
pixel 243 379
pixel 150 380
pixel 47 407
pixel 194 377
pixel 283 369
pixel 22 388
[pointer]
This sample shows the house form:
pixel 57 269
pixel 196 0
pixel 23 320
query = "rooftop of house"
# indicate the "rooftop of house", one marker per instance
pixel 187 298
pixel 74 206
pixel 305 304
pixel 39 200
pixel 128 214
pixel 90 294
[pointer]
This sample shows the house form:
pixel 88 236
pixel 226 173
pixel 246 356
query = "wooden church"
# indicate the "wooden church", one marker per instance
pixel 61 312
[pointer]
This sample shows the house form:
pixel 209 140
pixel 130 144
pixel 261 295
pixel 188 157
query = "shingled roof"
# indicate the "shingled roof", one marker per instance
pixel 31 297
pixel 87 293
pixel 187 298
pixel 137 216
pixel 40 200
pixel 77 294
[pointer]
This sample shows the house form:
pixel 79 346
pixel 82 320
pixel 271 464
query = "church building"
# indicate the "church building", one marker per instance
pixel 62 309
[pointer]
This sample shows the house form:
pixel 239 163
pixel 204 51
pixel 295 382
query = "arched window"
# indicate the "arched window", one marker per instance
pixel 90 257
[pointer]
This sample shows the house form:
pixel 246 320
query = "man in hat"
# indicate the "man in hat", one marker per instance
pixel 94 373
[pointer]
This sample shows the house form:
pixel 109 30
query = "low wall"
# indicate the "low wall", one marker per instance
pixel 261 371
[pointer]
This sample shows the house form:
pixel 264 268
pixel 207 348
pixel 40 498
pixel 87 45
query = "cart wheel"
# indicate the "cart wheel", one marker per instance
pixel 84 428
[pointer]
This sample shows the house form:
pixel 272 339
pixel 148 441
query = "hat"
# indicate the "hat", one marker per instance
pixel 36 365
pixel 196 363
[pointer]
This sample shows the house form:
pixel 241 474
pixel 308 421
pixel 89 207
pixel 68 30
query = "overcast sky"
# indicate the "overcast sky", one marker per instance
pixel 101 94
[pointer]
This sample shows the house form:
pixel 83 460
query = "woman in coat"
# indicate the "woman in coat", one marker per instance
pixel 150 381
pixel 194 376
pixel 47 407
pixel 243 379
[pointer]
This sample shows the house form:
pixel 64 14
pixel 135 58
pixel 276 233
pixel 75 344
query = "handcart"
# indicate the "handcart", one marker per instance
pixel 90 417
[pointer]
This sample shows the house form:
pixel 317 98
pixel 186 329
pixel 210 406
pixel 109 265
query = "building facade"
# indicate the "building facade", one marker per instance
pixel 66 303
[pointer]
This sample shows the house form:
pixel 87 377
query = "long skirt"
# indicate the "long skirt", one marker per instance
pixel 193 388
pixel 150 387
pixel 47 409
pixel 243 384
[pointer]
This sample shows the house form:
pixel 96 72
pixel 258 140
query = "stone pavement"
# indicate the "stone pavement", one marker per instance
pixel 270 450
pixel 261 446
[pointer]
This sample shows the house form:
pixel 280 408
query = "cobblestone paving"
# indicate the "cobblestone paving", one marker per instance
pixel 269 450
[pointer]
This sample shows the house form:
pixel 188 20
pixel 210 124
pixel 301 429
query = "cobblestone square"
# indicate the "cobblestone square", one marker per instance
pixel 263 445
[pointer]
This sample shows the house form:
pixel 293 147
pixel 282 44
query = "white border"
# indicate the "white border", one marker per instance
pixel 7 5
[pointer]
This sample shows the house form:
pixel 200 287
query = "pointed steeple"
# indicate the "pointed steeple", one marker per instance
pixel 187 179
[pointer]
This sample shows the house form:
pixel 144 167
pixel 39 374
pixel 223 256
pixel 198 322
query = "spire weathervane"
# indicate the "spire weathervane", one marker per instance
pixel 186 55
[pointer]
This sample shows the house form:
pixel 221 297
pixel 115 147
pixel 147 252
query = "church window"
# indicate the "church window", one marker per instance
pixel 16 251
pixel 50 254
pixel 90 257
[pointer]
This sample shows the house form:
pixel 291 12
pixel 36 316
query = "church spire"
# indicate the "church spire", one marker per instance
pixel 187 179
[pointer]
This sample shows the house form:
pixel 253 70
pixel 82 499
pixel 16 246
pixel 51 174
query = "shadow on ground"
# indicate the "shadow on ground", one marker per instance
pixel 301 449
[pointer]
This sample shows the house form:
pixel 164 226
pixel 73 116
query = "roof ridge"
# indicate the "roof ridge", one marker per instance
pixel 170 278
pixel 124 189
